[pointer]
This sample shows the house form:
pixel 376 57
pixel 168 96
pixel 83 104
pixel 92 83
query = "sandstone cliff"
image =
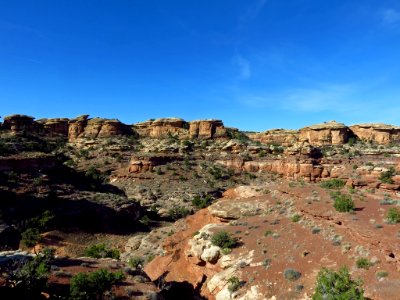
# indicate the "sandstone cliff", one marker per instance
pixel 378 133
pixel 328 133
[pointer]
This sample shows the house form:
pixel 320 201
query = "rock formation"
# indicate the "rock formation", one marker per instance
pixel 19 123
pixel 378 133
pixel 207 129
pixel 276 136
pixel 162 128
pixel 328 133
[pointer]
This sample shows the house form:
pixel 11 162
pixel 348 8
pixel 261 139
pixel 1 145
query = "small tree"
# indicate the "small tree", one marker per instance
pixel 337 285
pixel 30 276
pixel 89 286
pixel 30 237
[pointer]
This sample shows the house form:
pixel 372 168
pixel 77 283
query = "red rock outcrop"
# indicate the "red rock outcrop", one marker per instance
pixel 207 129
pixel 161 128
pixel 77 127
pixel 328 133
pixel 19 123
pixel 378 133
pixel 147 163
pixel 276 136
pixel 55 127
pixel 102 128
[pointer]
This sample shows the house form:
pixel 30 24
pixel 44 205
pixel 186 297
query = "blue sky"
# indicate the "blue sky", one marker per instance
pixel 255 64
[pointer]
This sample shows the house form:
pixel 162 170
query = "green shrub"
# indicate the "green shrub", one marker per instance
pixel 363 263
pixel 386 177
pixel 30 237
pixel 178 212
pixel 337 285
pixel 234 284
pixel 31 276
pixel 393 216
pixel 381 274
pixel 224 239
pixel 136 262
pixel 90 286
pixel 296 218
pixel 333 184
pixel 101 251
pixel 291 274
pixel 202 202
pixel 343 202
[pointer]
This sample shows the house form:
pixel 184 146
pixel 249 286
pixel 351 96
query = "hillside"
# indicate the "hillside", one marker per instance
pixel 158 191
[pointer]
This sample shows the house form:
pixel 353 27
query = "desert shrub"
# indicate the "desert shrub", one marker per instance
pixel 337 285
pixel 177 212
pixel 234 284
pixel 224 240
pixel 291 274
pixel 393 216
pixel 386 177
pixel 351 141
pixel 30 237
pixel 363 263
pixel 41 222
pixel 145 220
pixel 136 262
pixel 30 276
pixel 101 251
pixel 381 274
pixel 296 218
pixel 202 202
pixel 333 184
pixel 90 286
pixel 343 202
pixel 93 174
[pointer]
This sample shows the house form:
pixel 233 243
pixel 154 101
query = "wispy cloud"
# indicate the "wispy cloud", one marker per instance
pixel 243 66
pixel 323 97
pixel 253 10
pixel 390 16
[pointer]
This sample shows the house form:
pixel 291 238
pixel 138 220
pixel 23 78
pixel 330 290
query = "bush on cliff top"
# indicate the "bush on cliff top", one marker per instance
pixel 337 285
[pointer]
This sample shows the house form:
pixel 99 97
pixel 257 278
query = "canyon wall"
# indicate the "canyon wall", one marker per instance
pixel 328 133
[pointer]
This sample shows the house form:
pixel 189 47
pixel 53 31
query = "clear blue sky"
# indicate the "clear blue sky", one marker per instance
pixel 255 64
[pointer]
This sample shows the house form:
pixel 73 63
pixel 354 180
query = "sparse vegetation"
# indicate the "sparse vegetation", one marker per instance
pixel 393 216
pixel 31 275
pixel 337 285
pixel 224 240
pixel 102 251
pixel 291 274
pixel 333 183
pixel 386 177
pixel 202 202
pixel 234 284
pixel 363 263
pixel 136 262
pixel 178 212
pixel 30 237
pixel 296 218
pixel 93 285
pixel 342 202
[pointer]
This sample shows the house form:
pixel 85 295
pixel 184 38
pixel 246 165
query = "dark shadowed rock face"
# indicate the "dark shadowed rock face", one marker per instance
pixel 9 237
pixel 19 123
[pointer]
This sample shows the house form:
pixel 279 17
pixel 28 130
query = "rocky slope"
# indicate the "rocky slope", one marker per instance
pixel 143 189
